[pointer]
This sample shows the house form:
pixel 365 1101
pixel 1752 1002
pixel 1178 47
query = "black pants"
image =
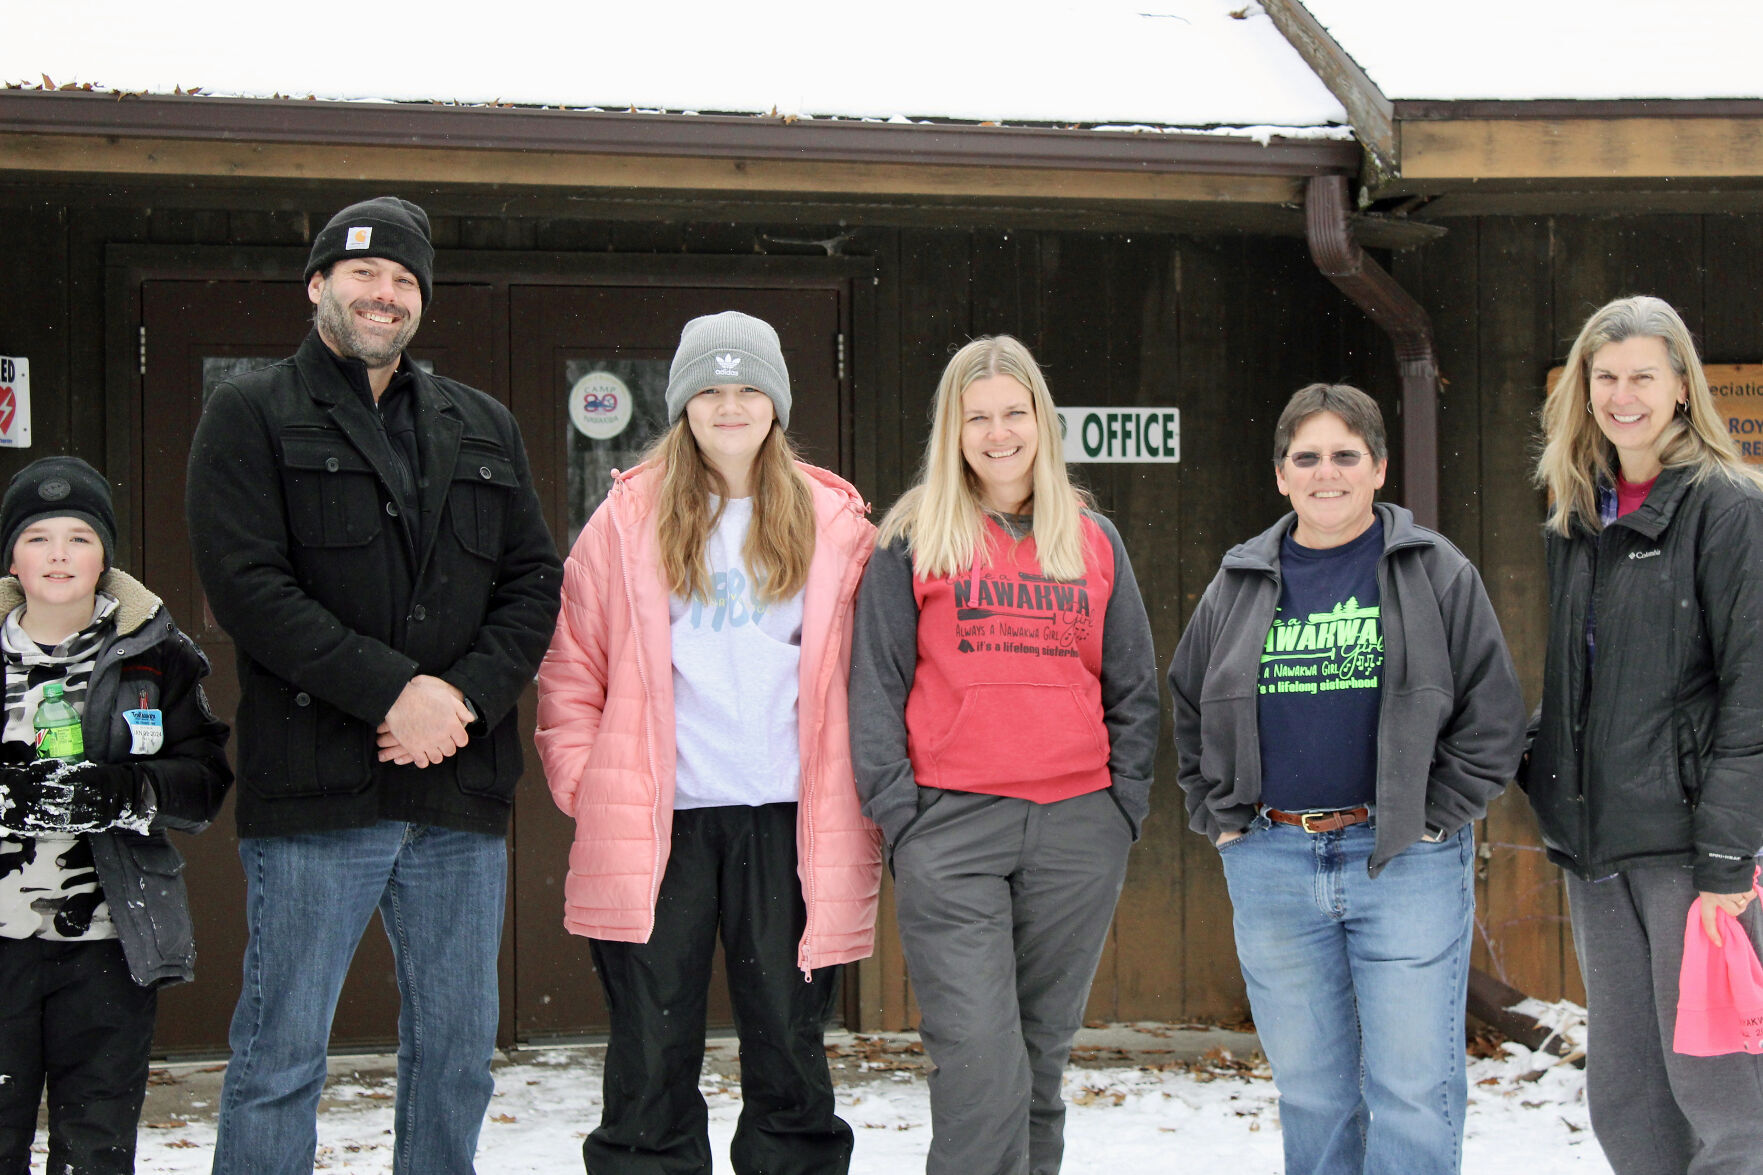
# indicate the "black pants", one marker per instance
pixel 731 870
pixel 72 1015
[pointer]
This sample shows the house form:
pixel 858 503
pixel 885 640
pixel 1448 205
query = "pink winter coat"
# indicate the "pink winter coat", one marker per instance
pixel 606 730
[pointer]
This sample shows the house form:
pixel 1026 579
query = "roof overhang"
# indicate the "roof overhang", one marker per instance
pixel 1459 142
pixel 1543 155
pixel 68 133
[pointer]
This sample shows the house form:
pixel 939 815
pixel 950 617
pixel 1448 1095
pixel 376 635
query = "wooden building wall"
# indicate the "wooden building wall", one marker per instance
pixel 1224 326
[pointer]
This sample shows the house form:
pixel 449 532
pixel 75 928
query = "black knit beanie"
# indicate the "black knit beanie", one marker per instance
pixel 382 227
pixel 58 487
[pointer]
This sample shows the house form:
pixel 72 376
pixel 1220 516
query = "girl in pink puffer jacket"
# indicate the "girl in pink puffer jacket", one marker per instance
pixel 692 719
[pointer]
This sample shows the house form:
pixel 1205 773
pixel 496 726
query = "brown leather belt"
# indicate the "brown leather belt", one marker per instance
pixel 1319 821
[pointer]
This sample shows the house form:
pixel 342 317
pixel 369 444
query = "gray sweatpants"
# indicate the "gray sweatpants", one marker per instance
pixel 1656 1112
pixel 1004 906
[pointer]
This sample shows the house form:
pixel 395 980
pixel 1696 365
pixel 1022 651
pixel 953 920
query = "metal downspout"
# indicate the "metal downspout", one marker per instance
pixel 1392 308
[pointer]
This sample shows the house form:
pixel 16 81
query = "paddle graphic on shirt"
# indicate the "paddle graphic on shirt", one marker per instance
pixel 1021 613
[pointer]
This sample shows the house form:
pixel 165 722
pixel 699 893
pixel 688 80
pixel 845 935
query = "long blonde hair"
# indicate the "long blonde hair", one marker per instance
pixel 1577 456
pixel 941 516
pixel 780 541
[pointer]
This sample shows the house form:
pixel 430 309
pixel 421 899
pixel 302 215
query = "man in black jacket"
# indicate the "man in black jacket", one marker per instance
pixel 369 536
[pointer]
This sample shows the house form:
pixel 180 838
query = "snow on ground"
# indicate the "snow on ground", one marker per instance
pixel 1527 1112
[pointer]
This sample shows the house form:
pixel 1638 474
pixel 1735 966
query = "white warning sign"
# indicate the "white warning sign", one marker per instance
pixel 15 402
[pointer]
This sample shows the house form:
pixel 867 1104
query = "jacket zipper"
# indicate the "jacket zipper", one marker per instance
pixel 811 773
pixel 630 600
pixel 1582 704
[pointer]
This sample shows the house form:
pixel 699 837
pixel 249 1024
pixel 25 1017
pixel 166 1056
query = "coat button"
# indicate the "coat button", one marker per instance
pixel 483 471
pixel 332 464
pixel 392 509
pixel 419 613
pixel 302 699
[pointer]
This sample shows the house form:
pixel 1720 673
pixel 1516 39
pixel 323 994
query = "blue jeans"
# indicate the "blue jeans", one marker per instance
pixel 440 894
pixel 1358 989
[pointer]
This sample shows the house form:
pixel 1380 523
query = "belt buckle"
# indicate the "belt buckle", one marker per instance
pixel 1305 818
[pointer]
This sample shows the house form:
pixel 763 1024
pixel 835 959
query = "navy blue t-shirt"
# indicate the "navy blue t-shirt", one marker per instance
pixel 1322 677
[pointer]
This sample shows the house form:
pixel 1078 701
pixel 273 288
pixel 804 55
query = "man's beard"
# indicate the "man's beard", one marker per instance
pixel 337 324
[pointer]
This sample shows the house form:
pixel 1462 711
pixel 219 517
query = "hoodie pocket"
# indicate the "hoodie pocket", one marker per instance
pixel 1022 731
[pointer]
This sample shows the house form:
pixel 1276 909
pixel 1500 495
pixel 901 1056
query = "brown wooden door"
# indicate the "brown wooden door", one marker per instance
pixel 590 342
pixel 197 334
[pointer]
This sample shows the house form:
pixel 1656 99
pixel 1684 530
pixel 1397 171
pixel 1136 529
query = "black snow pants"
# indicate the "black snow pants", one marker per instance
pixel 75 1018
pixel 730 871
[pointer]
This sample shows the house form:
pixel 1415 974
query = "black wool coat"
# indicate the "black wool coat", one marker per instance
pixel 336 598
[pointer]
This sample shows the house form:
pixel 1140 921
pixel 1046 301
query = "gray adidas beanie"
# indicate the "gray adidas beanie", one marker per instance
pixel 728 348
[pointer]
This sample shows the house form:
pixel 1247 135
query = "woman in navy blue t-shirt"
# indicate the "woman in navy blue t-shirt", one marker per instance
pixel 1344 710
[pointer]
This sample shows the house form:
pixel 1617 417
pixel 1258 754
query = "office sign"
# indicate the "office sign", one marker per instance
pixel 1121 436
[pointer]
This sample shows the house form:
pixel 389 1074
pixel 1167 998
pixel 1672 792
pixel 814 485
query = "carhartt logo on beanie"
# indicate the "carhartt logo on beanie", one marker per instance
pixel 382 227
pixel 58 487
pixel 728 348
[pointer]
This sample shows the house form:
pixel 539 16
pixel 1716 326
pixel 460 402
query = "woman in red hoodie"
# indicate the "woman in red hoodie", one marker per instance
pixel 692 721
pixel 1003 724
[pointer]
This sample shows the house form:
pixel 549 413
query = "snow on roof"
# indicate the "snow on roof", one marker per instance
pixel 1540 49
pixel 1165 63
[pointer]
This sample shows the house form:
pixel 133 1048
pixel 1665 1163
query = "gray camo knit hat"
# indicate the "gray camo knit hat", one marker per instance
pixel 728 348
pixel 58 487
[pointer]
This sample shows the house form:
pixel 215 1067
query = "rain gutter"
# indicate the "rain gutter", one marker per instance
pixel 1394 309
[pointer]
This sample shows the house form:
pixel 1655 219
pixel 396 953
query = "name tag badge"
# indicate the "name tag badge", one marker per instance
pixel 146 731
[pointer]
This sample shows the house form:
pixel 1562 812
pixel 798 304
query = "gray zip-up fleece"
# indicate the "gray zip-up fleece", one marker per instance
pixel 1451 724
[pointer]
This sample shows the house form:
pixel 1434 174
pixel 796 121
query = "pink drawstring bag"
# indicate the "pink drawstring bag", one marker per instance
pixel 1719 991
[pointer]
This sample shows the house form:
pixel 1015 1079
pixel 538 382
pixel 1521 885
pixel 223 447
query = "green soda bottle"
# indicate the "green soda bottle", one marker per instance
pixel 58 727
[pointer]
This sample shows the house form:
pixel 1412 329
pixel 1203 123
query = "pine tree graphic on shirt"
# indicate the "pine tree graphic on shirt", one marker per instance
pixel 1325 651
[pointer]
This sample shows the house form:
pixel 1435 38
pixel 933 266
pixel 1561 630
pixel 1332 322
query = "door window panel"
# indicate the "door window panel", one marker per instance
pixel 591 460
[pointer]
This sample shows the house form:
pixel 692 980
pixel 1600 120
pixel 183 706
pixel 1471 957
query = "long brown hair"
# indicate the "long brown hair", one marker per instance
pixel 1576 454
pixel 780 541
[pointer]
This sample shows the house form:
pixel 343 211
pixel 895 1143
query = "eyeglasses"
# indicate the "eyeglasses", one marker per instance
pixel 1340 458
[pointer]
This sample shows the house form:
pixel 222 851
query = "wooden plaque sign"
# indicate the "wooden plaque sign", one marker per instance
pixel 1738 391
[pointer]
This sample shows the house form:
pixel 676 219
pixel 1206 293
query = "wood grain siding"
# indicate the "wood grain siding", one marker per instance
pixel 194 158
pixel 1148 513
pixel 1522 935
pixel 1583 148
pixel 33 270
